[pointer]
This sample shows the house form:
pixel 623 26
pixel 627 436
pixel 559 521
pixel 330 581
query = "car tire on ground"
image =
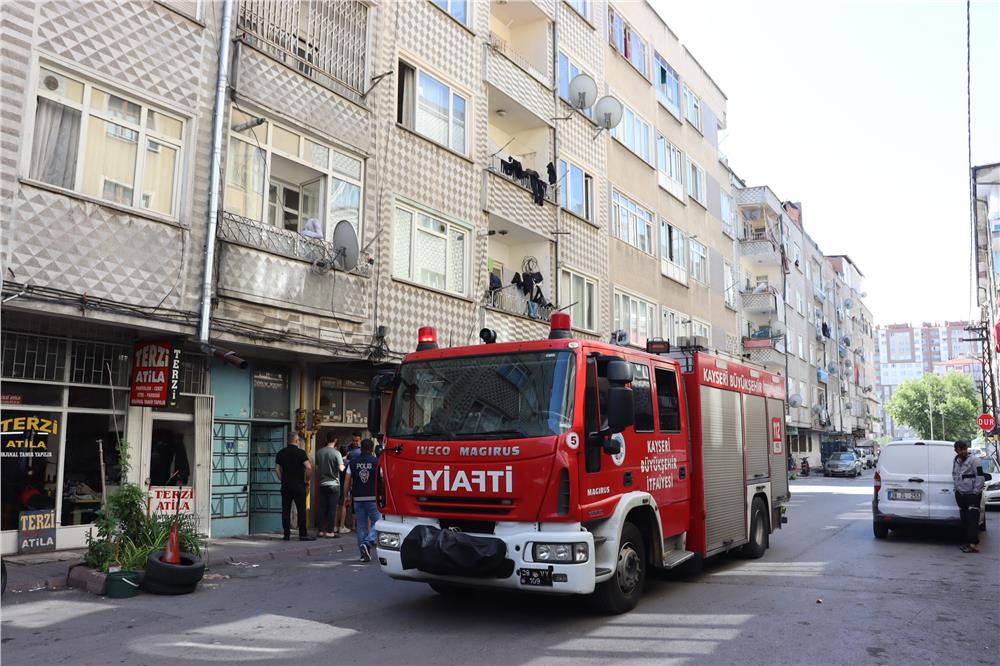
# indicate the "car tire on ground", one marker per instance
pixel 881 530
pixel 620 593
pixel 173 575
pixel 167 588
pixel 759 529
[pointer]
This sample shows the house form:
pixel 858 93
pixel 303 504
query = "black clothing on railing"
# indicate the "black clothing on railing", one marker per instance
pixel 551 168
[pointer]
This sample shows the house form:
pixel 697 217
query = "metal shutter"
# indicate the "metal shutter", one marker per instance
pixel 779 461
pixel 722 462
pixel 757 434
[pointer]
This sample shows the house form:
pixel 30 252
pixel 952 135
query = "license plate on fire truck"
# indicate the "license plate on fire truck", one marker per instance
pixel 906 495
pixel 536 577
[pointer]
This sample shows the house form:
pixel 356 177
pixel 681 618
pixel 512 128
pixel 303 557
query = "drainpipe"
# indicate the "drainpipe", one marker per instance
pixel 221 83
pixel 555 148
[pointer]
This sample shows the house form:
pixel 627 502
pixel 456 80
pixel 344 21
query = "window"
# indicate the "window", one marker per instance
pixel 728 214
pixel 642 398
pixel 699 261
pixel 636 317
pixel 568 70
pixel 669 165
pixel 429 250
pixel 802 347
pixel 672 256
pixel 626 41
pixel 668 406
pixel 633 133
pixel 579 293
pixel 696 182
pixel 675 325
pixel 700 328
pixel 729 283
pixel 458 9
pixel 692 108
pixel 631 222
pixel 304 178
pixel 582 7
pixel 577 188
pixel 132 152
pixel 797 255
pixel 667 86
pixel 432 108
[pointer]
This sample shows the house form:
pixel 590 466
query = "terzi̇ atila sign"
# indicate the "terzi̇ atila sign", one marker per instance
pixel 156 374
pixel 28 436
pixel 36 531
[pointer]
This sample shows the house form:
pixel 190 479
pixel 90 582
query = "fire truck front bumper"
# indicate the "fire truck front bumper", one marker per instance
pixel 556 558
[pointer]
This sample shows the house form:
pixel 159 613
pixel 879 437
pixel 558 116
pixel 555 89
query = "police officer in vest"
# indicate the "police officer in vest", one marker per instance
pixel 967 474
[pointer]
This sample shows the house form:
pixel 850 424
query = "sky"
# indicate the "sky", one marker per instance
pixel 858 110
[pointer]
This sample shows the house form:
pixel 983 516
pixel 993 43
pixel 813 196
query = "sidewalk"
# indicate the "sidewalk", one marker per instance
pixel 47 571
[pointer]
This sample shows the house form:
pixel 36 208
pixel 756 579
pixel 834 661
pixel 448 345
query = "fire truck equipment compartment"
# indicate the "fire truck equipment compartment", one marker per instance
pixel 448 553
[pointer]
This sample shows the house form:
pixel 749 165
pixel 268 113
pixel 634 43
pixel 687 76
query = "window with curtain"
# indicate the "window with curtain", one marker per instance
pixel 667 85
pixel 626 41
pixel 430 250
pixel 579 293
pixel 675 325
pixel 728 214
pixel 576 190
pixel 633 133
pixel 636 316
pixel 631 222
pixel 133 151
pixel 699 261
pixel 432 108
pixel 670 166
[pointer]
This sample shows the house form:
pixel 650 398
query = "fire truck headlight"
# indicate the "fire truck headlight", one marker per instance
pixel 388 540
pixel 560 552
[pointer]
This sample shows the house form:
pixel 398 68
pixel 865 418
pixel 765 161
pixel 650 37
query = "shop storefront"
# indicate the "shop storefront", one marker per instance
pixel 65 410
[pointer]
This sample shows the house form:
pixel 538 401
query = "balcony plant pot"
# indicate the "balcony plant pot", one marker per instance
pixel 164 578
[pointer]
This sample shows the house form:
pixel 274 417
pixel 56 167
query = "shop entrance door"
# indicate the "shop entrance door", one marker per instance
pixel 265 488
pixel 230 478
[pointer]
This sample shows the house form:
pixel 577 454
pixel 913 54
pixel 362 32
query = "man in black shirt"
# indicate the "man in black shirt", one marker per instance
pixel 294 469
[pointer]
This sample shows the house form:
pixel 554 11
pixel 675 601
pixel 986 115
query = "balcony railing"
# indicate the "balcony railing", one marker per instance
pixel 762 302
pixel 498 44
pixel 251 233
pixel 512 300
pixel 325 41
pixel 532 180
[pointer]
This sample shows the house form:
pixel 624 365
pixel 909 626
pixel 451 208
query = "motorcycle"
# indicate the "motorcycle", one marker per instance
pixel 804 467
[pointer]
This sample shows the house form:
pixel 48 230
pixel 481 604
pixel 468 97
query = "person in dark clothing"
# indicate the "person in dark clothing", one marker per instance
pixel 360 490
pixel 294 470
pixel 967 477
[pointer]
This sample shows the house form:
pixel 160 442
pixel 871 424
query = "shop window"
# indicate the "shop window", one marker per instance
pixel 87 435
pixel 17 393
pixel 171 450
pixel 271 396
pixel 343 402
pixel 30 463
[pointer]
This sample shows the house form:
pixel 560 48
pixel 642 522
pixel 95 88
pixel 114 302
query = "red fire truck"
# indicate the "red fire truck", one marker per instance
pixel 571 466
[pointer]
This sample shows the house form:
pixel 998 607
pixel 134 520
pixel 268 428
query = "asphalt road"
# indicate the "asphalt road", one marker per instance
pixel 825 593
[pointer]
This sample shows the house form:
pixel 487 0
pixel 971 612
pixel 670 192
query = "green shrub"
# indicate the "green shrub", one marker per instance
pixel 127 533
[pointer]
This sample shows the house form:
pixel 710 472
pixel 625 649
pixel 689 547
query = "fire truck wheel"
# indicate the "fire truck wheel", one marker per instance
pixel 621 592
pixel 758 531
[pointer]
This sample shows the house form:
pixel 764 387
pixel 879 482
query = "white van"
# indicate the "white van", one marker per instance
pixel 913 486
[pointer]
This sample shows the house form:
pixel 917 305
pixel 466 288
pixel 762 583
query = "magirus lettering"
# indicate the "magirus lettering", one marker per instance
pixel 478 480
pixel 490 450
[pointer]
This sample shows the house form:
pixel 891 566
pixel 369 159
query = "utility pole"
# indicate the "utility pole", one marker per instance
pixel 930 411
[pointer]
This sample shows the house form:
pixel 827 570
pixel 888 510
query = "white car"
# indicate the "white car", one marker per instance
pixel 991 495
pixel 913 486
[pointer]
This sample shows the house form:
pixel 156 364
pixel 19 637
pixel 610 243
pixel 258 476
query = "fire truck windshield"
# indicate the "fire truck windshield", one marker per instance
pixel 525 394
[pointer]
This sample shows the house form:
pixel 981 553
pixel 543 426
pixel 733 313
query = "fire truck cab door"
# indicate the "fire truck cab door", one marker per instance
pixel 666 459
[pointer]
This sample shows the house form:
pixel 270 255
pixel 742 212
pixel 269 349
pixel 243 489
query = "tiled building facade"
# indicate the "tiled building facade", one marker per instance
pixel 404 119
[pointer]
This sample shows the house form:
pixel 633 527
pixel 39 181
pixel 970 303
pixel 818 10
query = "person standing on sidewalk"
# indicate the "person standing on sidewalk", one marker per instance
pixel 969 481
pixel 294 470
pixel 360 490
pixel 330 465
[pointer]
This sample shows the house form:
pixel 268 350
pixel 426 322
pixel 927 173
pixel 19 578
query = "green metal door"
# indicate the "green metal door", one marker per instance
pixel 265 488
pixel 230 478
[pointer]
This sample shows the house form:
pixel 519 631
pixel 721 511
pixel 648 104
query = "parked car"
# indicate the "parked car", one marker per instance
pixel 913 486
pixel 991 494
pixel 866 456
pixel 842 463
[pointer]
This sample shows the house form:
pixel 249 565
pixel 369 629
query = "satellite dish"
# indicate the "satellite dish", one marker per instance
pixel 817 409
pixel 777 329
pixel 864 294
pixel 848 302
pixel 848 363
pixel 608 112
pixel 582 91
pixel 345 245
pixel 832 367
pixel 794 400
pixel 846 340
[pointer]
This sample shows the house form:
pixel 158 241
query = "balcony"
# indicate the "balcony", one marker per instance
pixel 819 294
pixel 761 302
pixel 324 41
pixel 758 243
pixel 765 351
pixel 513 252
pixel 501 46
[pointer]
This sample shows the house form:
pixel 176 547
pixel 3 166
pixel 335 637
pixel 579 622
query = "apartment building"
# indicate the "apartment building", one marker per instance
pixel 905 352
